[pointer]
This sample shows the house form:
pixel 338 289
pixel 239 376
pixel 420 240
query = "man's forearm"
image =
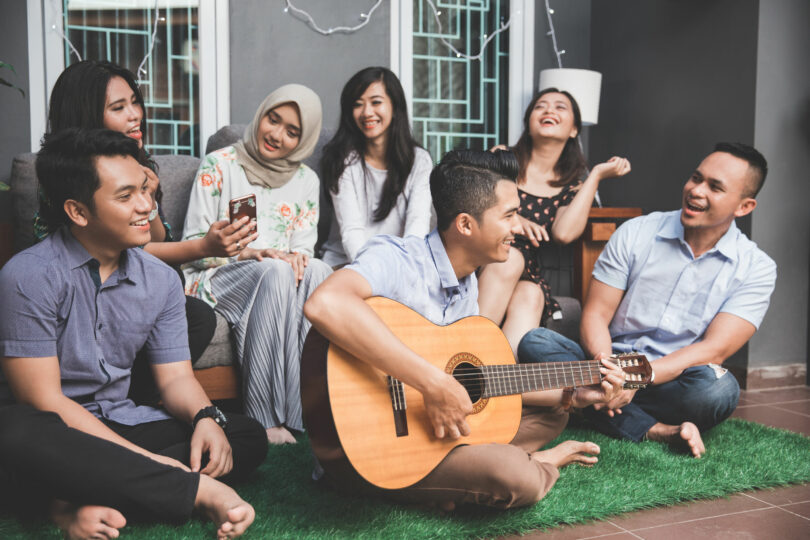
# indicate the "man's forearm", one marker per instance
pixel 77 417
pixel 595 335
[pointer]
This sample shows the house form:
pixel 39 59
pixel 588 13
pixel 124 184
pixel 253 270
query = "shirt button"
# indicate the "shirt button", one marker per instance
pixel 100 326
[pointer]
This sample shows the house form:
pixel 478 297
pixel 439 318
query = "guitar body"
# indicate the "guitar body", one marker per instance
pixel 368 428
pixel 347 404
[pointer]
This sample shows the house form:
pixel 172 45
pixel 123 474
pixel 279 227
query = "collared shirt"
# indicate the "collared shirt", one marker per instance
pixel 670 296
pixel 417 272
pixel 54 304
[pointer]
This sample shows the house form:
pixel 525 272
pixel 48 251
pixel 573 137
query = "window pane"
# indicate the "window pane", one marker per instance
pixel 119 31
pixel 460 103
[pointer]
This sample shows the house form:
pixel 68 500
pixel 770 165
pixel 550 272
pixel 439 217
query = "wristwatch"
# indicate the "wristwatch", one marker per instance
pixel 212 412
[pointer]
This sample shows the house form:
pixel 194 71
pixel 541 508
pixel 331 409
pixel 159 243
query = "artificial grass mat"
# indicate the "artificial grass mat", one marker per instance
pixel 740 456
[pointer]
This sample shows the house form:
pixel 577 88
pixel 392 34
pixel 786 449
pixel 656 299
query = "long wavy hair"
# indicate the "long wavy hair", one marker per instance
pixel 571 165
pixel 80 94
pixel 400 151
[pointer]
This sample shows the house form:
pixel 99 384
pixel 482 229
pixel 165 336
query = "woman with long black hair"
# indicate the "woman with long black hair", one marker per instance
pixel 374 170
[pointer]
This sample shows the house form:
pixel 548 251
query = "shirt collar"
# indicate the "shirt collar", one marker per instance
pixel 77 255
pixel 727 245
pixel 447 275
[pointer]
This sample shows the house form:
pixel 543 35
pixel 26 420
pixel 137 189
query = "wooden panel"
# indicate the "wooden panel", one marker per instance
pixel 590 245
pixel 599 232
pixel 221 382
pixel 614 212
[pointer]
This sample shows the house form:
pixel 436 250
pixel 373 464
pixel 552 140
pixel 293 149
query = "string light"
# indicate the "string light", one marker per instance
pixel 459 54
pixel 57 29
pixel 306 17
pixel 557 51
pixel 141 69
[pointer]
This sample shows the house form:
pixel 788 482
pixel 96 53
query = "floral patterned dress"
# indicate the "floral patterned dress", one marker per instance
pixel 543 211
pixel 287 217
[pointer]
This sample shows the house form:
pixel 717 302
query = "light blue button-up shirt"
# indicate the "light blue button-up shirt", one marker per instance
pixel 417 273
pixel 670 296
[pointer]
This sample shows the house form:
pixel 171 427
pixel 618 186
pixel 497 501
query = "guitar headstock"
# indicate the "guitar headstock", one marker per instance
pixel 637 370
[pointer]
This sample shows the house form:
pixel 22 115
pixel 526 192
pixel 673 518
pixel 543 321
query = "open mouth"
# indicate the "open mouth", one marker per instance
pixel 370 124
pixel 135 133
pixel 141 223
pixel 548 121
pixel 694 207
pixel 270 146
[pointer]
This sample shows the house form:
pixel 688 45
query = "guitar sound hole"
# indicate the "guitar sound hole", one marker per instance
pixel 471 379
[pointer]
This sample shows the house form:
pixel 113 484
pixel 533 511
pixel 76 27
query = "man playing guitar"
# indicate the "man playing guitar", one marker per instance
pixel 476 202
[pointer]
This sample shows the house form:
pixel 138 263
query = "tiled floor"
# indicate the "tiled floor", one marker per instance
pixel 782 514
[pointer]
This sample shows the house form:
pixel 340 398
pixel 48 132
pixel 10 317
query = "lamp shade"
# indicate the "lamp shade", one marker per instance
pixel 583 84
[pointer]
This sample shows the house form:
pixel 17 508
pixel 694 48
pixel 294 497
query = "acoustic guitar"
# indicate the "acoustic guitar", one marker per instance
pixel 361 420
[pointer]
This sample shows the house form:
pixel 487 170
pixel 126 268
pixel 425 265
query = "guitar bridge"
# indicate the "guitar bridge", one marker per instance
pixel 398 405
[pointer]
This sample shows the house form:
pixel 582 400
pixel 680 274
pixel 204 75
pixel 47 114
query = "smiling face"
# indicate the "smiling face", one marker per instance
pixel 121 205
pixel 373 111
pixel 279 131
pixel 715 193
pixel 498 225
pixel 122 112
pixel 553 117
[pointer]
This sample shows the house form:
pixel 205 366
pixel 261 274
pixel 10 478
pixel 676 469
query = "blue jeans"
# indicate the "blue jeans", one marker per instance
pixel 696 396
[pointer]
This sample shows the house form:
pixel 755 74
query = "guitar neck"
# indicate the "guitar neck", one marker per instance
pixel 516 379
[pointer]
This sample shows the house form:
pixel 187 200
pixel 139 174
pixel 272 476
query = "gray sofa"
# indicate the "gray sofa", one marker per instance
pixel 176 176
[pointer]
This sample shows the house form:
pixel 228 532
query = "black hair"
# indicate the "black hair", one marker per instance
pixel 756 161
pixel 400 153
pixel 465 180
pixel 66 168
pixel 571 165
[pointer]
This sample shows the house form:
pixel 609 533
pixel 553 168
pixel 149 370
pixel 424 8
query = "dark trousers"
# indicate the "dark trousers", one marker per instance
pixel 700 394
pixel 202 323
pixel 172 438
pixel 42 459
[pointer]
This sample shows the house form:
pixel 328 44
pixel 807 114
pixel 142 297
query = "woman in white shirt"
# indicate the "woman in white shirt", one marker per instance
pixel 377 174
pixel 261 291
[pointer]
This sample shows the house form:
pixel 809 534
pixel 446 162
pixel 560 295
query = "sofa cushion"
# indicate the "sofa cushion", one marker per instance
pixel 24 200
pixel 176 175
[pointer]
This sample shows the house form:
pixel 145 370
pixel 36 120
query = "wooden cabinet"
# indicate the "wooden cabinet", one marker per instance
pixel 602 222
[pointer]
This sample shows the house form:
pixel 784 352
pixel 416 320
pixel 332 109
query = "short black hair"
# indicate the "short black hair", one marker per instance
pixel 66 168
pixel 756 161
pixel 464 182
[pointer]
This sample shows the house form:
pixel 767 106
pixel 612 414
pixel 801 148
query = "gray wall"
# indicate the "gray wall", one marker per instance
pixel 678 76
pixel 270 48
pixel 15 134
pixel 781 222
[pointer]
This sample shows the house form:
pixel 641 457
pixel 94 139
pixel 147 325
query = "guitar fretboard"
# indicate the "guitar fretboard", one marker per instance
pixel 516 379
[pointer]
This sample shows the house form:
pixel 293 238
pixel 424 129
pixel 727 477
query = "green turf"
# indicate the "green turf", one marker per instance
pixel 741 455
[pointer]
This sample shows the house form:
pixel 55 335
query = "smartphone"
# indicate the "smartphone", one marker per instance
pixel 241 207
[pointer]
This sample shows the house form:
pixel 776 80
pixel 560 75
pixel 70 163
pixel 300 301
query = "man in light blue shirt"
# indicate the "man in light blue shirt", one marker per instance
pixel 476 203
pixel 685 288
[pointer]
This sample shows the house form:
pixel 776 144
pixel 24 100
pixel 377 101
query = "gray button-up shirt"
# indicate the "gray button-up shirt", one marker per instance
pixel 54 304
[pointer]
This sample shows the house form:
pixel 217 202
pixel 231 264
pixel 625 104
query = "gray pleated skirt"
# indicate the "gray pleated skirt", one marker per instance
pixel 266 313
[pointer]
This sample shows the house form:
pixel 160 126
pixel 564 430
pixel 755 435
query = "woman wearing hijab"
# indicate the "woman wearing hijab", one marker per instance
pixel 261 291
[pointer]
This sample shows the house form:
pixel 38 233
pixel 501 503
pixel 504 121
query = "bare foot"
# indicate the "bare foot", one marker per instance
pixel 224 507
pixel 280 435
pixel 686 436
pixel 568 452
pixel 86 522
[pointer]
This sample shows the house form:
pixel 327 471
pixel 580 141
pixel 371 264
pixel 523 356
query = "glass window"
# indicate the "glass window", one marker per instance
pixel 120 31
pixel 459 102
